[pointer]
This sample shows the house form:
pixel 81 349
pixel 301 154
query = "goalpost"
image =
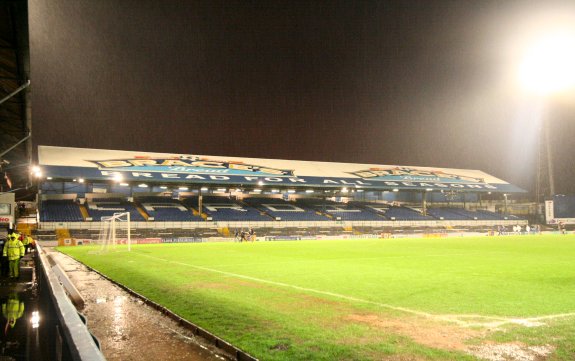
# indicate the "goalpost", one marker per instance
pixel 115 230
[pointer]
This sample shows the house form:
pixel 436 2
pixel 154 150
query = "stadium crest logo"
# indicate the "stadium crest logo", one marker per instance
pixel 189 164
pixel 406 174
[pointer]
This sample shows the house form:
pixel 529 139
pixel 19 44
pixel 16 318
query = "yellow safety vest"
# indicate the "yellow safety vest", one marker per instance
pixel 13 248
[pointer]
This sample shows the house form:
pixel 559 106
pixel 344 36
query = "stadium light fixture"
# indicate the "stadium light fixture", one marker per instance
pixel 180 188
pixel 36 171
pixel 49 178
pixel 291 191
pixel 309 190
pixel 344 190
pixel 163 187
pixel 81 180
pixel 261 183
pixel 395 190
pixel 124 184
pixel 547 65
pixel 118 178
pixel 359 190
pixel 204 189
pixel 143 185
pixel 257 190
pixel 428 189
pixel 275 190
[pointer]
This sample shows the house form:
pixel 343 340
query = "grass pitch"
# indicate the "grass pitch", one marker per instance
pixel 375 299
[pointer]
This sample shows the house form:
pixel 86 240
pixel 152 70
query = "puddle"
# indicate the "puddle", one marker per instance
pixel 130 330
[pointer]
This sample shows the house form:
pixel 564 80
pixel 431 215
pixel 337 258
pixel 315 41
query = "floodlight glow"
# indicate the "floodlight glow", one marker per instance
pixel 182 188
pixel 81 180
pixel 204 189
pixel 275 190
pixel 118 178
pixel 428 189
pixel 309 191
pixel 547 66
pixel 143 185
pixel 35 169
pixel 124 184
pixel 257 190
pixel 360 190
pixel 163 187
pixel 35 319
pixel 261 183
pixel 291 190
pixel 395 190
pixel 49 178
pixel 344 190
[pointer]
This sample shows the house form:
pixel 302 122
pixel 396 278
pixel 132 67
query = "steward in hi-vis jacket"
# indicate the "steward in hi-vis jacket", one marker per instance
pixel 14 250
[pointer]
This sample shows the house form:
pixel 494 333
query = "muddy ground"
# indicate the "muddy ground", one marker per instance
pixel 127 328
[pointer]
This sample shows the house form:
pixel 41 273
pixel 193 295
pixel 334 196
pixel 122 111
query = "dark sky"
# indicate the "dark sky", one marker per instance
pixel 423 83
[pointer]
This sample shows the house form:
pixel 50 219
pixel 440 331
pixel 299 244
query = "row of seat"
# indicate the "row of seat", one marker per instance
pixel 249 209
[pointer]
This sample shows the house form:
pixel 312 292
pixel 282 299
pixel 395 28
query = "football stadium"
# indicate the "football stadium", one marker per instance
pixel 115 254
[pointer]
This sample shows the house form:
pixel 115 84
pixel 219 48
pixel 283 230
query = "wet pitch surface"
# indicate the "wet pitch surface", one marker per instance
pixel 127 328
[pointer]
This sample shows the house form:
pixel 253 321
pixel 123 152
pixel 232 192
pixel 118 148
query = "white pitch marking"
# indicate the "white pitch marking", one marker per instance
pixel 497 321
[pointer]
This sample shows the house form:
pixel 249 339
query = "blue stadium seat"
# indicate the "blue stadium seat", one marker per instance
pixel 226 209
pixel 105 207
pixel 60 211
pixel 167 209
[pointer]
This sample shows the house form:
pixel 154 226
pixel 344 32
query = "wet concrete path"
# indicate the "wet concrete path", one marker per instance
pixel 127 328
pixel 30 329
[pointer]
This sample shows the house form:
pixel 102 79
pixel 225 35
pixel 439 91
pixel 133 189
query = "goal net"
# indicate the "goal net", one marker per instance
pixel 115 230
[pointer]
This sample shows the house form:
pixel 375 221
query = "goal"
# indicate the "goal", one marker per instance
pixel 115 230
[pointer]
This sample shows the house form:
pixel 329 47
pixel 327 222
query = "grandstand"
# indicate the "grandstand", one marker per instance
pixel 190 197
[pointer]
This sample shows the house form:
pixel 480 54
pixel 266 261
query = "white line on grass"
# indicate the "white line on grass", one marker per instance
pixel 341 259
pixel 494 320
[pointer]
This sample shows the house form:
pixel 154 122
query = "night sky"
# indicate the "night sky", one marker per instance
pixel 422 83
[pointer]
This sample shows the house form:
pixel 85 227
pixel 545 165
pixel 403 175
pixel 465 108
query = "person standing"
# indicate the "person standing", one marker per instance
pixel 3 260
pixel 14 250
pixel 25 241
